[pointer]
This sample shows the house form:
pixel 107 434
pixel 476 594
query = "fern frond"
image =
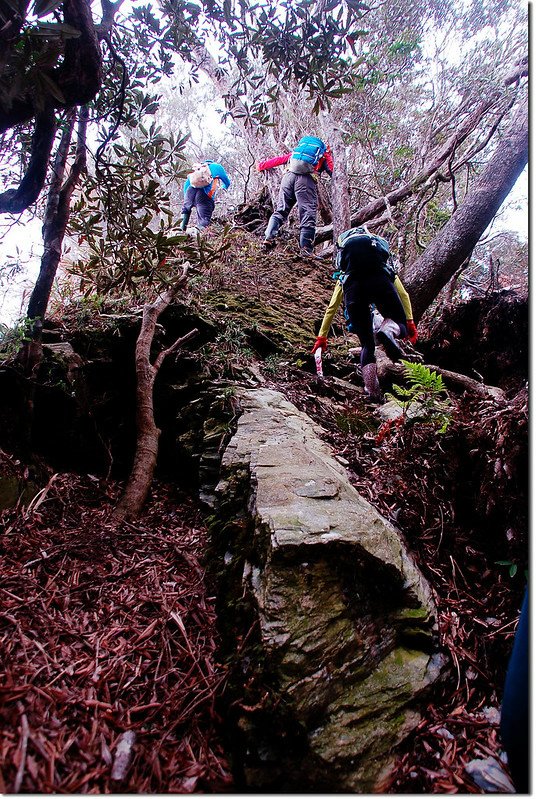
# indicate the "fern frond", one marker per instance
pixel 426 388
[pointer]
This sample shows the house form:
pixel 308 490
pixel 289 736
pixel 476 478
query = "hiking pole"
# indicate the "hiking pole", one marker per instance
pixel 318 362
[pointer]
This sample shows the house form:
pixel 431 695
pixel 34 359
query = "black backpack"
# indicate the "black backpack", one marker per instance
pixel 367 250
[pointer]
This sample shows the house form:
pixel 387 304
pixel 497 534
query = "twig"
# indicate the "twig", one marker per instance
pixel 123 755
pixel 512 623
pixel 442 528
pixel 25 734
pixel 174 347
pixel 40 496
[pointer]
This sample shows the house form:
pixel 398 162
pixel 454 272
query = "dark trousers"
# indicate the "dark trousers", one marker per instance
pixel 362 287
pixel 515 729
pixel 204 205
pixel 300 189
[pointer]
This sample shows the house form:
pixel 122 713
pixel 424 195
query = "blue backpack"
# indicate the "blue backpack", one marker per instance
pixel 359 249
pixel 306 155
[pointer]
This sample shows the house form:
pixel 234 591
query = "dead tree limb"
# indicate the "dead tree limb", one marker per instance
pixel 453 380
pixel 147 433
pixel 497 102
pixel 458 237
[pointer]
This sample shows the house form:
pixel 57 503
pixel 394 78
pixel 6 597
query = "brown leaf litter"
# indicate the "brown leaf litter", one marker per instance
pixel 108 674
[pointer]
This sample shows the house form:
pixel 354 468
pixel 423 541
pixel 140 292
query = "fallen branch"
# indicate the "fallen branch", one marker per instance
pixel 468 384
pixel 387 369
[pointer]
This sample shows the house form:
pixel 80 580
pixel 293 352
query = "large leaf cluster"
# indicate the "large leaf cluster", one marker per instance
pixel 123 218
pixel 273 45
pixel 32 50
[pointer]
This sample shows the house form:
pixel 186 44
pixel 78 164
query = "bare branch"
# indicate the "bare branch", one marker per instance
pixel 174 347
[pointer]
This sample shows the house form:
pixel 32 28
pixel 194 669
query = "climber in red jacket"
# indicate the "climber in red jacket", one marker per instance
pixel 306 162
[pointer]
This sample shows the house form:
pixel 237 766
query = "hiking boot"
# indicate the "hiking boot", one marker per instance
pixel 307 237
pixel 306 253
pixel 268 244
pixel 386 337
pixel 372 384
pixel 274 223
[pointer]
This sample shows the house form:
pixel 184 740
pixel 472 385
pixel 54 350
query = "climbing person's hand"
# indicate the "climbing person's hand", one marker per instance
pixel 321 342
pixel 413 334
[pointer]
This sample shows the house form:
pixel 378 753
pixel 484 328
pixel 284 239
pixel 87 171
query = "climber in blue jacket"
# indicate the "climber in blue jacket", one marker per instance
pixel 200 189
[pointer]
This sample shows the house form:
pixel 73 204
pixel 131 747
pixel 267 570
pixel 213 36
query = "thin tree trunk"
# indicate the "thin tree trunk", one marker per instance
pixel 456 240
pixel 147 433
pixel 54 227
pixel 57 212
pixel 340 192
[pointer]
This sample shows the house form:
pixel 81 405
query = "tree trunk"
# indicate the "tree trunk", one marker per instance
pixel 54 226
pixel 79 76
pixel 147 433
pixel 340 192
pixel 57 212
pixel 456 240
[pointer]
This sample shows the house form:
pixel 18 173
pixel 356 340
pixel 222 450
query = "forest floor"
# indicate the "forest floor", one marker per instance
pixel 107 628
pixel 127 635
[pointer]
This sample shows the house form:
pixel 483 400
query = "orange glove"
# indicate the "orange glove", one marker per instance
pixel 321 342
pixel 413 334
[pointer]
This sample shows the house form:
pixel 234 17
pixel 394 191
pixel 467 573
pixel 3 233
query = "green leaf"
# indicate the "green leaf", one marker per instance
pixel 43 7
pixel 52 87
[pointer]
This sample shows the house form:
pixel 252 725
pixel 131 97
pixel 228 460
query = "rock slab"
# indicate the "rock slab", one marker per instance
pixel 345 620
